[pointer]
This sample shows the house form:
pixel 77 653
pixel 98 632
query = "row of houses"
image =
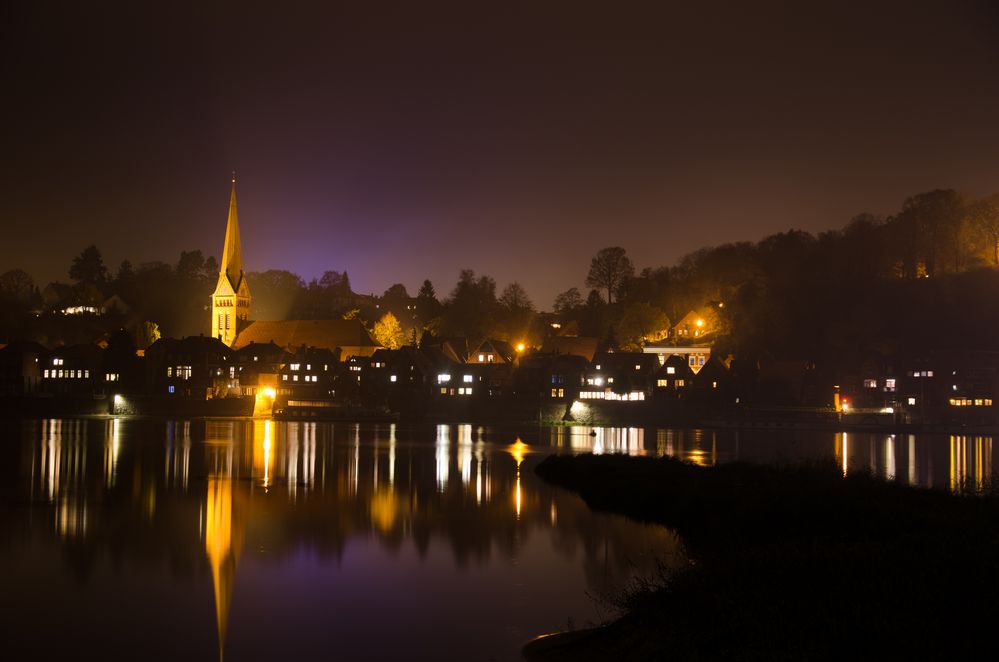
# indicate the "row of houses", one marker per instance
pixel 934 387
pixel 938 387
pixel 204 368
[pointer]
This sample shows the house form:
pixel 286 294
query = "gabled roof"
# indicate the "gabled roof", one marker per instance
pixel 493 346
pixel 192 346
pixel 680 366
pixel 292 334
pixel 575 345
pixel 259 349
pixel 455 348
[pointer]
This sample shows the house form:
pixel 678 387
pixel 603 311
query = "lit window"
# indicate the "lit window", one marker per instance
pixel 670 370
pixel 170 389
pixel 561 392
pixel 294 378
pixel 443 378
pixel 700 360
pixel 662 383
pixel 988 402
pixel 638 367
pixel 308 366
pixel 870 383
pixel 482 358
pixel 912 401
pixel 599 381
pixel 554 391
pixel 714 384
pixel 679 383
pixel 467 379
pixel 489 358
pixel 295 366
pixel 46 374
pixel 170 372
pixel 468 391
pixel 443 390
pixel 610 380
pixel 890 384
pixel 392 378
pixel 284 377
pixel 598 366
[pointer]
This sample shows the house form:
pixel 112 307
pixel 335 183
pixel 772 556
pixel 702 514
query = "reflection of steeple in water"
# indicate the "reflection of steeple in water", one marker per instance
pixel 223 537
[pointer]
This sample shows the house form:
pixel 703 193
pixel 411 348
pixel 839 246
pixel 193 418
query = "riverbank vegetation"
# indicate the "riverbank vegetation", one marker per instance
pixel 793 562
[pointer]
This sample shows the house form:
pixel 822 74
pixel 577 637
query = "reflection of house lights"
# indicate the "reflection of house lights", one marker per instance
pixel 518 492
pixel 517 451
pixel 267 454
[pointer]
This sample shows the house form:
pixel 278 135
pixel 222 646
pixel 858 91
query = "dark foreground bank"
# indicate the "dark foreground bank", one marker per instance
pixel 792 562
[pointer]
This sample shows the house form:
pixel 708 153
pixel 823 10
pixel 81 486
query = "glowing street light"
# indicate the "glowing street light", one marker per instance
pixel 520 347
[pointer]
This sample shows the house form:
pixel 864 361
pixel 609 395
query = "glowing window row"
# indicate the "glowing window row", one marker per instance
pixel 604 395
pixel 66 374
pixel 969 402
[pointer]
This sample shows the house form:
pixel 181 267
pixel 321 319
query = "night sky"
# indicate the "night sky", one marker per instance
pixel 410 141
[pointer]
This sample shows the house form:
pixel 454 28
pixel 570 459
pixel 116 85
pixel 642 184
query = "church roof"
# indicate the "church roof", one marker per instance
pixel 232 252
pixel 291 334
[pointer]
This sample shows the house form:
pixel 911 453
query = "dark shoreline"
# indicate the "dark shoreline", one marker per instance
pixel 790 562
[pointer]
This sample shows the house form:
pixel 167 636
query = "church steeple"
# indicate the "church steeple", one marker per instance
pixel 232 252
pixel 231 299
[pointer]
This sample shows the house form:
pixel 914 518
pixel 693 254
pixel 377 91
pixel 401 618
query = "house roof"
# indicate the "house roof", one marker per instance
pixel 576 345
pixel 292 334
pixel 194 346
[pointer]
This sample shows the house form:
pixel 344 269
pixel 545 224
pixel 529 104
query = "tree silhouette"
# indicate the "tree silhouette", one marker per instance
pixel 609 270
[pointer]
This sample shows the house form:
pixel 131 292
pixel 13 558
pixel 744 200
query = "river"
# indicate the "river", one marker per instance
pixel 253 539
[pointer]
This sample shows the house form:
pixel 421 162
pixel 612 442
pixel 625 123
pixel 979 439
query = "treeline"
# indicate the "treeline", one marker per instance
pixel 925 277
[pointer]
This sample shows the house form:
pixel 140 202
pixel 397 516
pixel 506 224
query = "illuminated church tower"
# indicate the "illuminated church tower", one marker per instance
pixel 231 300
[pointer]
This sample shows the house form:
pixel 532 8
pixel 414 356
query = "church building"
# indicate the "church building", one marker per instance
pixel 231 299
pixel 231 311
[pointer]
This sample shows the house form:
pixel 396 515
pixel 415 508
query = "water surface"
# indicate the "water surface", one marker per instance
pixel 163 540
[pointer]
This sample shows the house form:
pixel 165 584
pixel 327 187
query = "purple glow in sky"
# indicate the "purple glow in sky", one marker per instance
pixel 409 142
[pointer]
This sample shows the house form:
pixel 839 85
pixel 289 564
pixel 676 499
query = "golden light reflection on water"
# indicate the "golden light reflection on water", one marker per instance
pixel 223 538
pixel 205 485
pixel 518 450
